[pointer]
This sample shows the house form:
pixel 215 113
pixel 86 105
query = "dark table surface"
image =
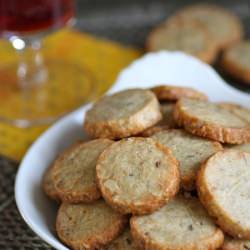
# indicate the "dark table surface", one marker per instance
pixel 126 21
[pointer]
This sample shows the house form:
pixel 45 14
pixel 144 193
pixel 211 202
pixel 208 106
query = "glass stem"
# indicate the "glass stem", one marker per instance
pixel 31 70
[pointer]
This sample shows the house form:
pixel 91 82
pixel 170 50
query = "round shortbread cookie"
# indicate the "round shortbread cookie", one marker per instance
pixel 236 61
pixel 182 224
pixel 174 93
pixel 88 226
pixel 123 242
pixel 123 114
pixel 191 151
pixel 225 27
pixel 223 187
pixel 74 172
pixel 48 185
pixel 167 110
pixel 242 112
pixel 178 35
pixel 235 244
pixel 137 175
pixel 212 121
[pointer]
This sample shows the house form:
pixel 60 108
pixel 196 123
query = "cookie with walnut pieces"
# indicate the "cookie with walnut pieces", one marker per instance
pixel 182 224
pixel 75 170
pixel 190 150
pixel 88 226
pixel 223 187
pixel 212 121
pixel 137 175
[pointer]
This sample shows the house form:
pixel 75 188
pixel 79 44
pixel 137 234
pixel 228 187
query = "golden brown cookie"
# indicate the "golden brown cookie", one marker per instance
pixel 212 121
pixel 88 226
pixel 74 171
pixel 188 36
pixel 242 112
pixel 137 175
pixel 123 114
pixel 236 61
pixel 182 224
pixel 48 185
pixel 224 188
pixel 123 242
pixel 174 93
pixel 191 151
pixel 225 27
pixel 167 110
pixel 235 244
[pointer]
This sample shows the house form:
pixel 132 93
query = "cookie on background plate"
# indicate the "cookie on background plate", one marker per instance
pixel 225 27
pixel 123 114
pixel 180 35
pixel 181 224
pixel 191 151
pixel 137 175
pixel 224 189
pixel 74 171
pixel 236 61
pixel 212 121
pixel 174 93
pixel 88 226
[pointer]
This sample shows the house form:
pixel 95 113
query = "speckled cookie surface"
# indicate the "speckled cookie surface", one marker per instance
pixel 187 36
pixel 182 224
pixel 88 226
pixel 49 186
pixel 123 242
pixel 223 187
pixel 137 175
pixel 191 151
pixel 74 171
pixel 238 110
pixel 123 114
pixel 212 121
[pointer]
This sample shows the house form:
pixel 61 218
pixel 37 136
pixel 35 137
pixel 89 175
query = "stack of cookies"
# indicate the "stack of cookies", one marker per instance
pixel 204 31
pixel 166 169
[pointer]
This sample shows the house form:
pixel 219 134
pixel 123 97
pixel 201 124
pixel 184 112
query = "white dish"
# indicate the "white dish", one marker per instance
pixel 155 68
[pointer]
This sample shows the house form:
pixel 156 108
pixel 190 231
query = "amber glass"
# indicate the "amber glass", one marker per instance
pixel 30 87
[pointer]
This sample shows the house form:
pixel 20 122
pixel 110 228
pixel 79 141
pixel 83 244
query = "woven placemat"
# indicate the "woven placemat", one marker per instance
pixel 128 22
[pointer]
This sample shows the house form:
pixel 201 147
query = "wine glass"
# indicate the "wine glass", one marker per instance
pixel 31 89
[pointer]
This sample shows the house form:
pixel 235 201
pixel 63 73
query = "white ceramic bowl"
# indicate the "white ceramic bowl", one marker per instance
pixel 162 67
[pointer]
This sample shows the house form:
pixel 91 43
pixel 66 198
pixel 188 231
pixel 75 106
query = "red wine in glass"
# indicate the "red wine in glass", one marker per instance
pixel 31 84
pixel 25 16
